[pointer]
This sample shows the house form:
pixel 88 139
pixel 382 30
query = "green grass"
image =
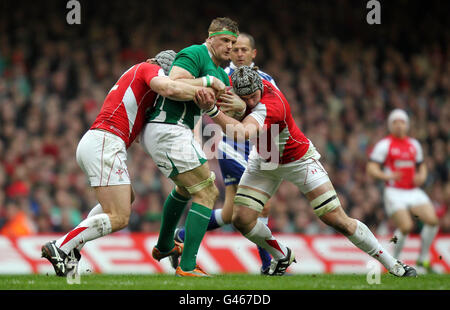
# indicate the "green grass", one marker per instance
pixel 223 282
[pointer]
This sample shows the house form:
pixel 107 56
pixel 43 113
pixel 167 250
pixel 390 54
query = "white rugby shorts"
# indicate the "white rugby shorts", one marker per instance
pixel 172 147
pixel 398 199
pixel 102 156
pixel 307 173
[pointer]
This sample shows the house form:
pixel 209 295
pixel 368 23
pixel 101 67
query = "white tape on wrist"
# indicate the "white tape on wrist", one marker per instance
pixel 213 112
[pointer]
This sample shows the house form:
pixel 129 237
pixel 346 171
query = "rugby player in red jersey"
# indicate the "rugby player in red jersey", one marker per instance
pixel 102 153
pixel 282 152
pixel 404 172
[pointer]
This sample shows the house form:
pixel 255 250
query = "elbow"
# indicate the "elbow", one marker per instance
pixel 370 171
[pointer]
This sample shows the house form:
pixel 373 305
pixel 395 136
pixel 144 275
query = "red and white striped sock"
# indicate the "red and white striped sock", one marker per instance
pixel 262 236
pixel 91 228
pixel 97 209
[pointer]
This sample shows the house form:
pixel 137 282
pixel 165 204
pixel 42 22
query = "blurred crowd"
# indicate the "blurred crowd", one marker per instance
pixel 340 75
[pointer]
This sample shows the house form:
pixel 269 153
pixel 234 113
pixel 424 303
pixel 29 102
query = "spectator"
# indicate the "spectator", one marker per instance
pixel 340 76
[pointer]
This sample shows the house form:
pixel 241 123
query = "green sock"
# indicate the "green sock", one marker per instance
pixel 196 223
pixel 173 209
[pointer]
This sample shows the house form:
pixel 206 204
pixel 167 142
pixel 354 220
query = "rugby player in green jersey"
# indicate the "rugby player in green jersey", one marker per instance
pixel 168 138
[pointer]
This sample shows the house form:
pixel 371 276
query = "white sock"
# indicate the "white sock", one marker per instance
pixel 262 236
pixel 91 228
pixel 398 246
pixel 218 217
pixel 97 209
pixel 427 236
pixel 364 239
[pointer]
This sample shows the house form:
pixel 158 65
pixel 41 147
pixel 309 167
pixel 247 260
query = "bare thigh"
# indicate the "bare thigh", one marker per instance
pixel 402 220
pixel 426 214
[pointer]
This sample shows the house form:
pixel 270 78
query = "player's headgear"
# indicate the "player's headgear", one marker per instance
pixel 165 59
pixel 246 81
pixel 397 114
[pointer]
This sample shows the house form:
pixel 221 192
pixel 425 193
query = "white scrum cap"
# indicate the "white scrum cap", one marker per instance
pixel 398 114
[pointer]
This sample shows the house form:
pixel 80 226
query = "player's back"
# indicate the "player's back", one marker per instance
pixel 274 113
pixel 123 111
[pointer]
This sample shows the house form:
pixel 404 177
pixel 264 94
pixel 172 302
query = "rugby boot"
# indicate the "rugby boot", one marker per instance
pixel 56 257
pixel 279 267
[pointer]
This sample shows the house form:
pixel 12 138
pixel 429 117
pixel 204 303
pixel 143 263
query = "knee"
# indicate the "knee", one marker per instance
pixel 340 222
pixel 239 220
pixel 432 221
pixel 406 228
pixel 207 196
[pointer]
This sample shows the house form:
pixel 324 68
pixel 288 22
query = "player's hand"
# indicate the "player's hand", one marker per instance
pixel 418 180
pixel 394 176
pixel 218 86
pixel 230 102
pixel 205 98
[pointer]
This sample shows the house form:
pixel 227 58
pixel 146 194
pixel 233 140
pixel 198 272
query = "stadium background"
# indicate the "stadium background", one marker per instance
pixel 340 75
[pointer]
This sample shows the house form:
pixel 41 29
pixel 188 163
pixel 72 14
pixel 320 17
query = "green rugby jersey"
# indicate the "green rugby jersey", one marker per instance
pixel 197 60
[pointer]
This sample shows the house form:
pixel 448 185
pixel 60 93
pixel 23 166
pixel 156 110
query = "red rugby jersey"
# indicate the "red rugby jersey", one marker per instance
pixel 123 111
pixel 398 154
pixel 273 113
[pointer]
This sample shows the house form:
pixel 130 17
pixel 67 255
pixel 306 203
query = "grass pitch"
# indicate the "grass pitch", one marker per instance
pixel 224 282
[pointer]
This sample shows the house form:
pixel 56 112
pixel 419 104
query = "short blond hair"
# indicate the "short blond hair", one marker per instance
pixel 223 23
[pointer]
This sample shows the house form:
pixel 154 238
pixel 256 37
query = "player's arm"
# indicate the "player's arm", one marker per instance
pixel 421 174
pixel 176 90
pixel 241 131
pixel 374 169
pixel 183 75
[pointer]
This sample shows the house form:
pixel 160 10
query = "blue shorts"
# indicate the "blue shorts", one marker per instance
pixel 233 159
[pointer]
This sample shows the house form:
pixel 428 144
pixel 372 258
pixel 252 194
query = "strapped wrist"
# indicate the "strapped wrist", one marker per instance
pixel 207 80
pixel 213 112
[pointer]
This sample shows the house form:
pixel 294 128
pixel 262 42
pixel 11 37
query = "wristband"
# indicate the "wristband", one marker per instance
pixel 213 112
pixel 207 81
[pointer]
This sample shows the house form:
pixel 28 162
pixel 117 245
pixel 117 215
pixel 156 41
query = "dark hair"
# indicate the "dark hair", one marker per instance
pixel 250 38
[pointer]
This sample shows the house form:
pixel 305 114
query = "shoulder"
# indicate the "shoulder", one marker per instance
pixel 196 49
pixel 147 71
pixel 265 76
pixel 413 141
pixel 383 143
pixel 145 66
pixel 228 70
pixel 416 144
pixel 272 95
